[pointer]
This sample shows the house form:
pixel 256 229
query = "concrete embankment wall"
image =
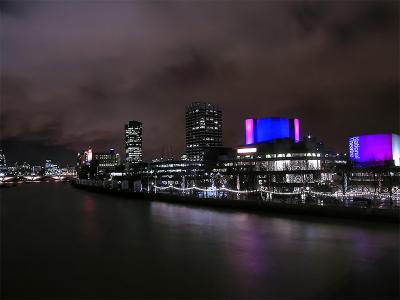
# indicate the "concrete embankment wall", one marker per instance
pixel 366 214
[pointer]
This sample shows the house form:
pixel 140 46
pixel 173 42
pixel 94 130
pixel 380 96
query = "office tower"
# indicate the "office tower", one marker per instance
pixel 106 161
pixel 203 129
pixel 2 159
pixel 133 142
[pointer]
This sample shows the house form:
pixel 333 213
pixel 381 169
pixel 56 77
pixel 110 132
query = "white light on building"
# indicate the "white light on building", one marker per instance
pixel 246 150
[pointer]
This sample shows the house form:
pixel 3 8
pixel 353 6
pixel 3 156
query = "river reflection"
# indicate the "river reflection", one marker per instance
pixel 89 221
pixel 274 253
pixel 61 242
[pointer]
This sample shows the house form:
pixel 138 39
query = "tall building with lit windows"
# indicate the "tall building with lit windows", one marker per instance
pixel 3 165
pixel 133 142
pixel 203 129
pixel 106 161
pixel 2 159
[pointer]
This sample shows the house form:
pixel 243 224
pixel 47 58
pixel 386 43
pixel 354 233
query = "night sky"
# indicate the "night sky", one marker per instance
pixel 74 72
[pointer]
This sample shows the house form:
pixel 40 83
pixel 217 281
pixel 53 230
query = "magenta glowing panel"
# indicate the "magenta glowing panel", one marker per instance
pixel 371 148
pixel 249 131
pixel 296 130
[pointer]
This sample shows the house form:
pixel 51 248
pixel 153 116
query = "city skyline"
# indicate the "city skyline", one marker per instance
pixel 135 138
pixel 198 149
pixel 332 65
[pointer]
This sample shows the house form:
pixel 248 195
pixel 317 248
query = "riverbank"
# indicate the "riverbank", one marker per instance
pixel 365 214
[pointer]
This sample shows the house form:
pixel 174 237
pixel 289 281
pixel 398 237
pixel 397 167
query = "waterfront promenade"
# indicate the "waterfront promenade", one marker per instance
pixel 391 215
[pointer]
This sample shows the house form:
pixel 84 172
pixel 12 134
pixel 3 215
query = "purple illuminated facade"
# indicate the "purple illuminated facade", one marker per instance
pixel 374 149
pixel 296 123
pixel 249 131
pixel 268 129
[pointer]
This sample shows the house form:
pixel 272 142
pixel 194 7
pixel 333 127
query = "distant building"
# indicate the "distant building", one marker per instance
pixel 68 171
pixel 106 161
pixel 133 142
pixel 23 169
pixel 92 164
pixel 3 164
pixel 2 159
pixel 85 166
pixel 203 129
pixel 85 157
pixel 50 168
pixel 37 170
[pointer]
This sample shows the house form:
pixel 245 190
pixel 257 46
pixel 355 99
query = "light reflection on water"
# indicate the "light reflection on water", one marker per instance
pixel 61 242
pixel 89 222
pixel 281 252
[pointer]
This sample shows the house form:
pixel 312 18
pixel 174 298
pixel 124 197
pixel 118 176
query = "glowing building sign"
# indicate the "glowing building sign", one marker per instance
pixel 246 150
pixel 374 149
pixel 268 129
pixel 296 124
pixel 89 155
pixel 249 131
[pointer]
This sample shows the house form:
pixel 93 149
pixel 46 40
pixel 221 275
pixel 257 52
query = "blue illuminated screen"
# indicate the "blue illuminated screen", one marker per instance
pixel 271 128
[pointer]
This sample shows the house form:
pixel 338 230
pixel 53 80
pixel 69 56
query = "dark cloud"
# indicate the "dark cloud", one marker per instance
pixel 14 8
pixel 193 69
pixel 309 15
pixel 369 17
pixel 73 72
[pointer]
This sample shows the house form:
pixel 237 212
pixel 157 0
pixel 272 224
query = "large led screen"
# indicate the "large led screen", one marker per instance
pixel 268 129
pixel 374 148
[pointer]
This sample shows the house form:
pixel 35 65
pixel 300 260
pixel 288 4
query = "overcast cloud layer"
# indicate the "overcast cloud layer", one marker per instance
pixel 72 73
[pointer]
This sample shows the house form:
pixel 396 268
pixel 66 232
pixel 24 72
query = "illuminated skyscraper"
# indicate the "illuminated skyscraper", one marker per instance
pixel 133 142
pixel 2 159
pixel 203 129
pixel 3 165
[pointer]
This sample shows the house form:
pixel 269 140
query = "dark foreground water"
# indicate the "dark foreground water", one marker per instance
pixel 60 242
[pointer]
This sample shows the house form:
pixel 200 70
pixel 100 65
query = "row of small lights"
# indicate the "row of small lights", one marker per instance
pixel 4 178
pixel 395 195
pixel 336 194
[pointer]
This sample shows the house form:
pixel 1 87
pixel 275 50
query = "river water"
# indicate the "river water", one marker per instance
pixel 61 242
